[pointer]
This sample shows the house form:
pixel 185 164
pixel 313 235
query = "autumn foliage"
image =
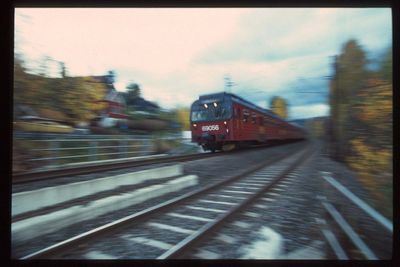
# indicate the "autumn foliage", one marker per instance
pixel 279 106
pixel 361 121
pixel 70 99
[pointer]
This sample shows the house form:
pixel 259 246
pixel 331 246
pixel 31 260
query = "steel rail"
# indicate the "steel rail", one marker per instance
pixel 25 177
pixel 187 245
pixel 20 178
pixel 118 225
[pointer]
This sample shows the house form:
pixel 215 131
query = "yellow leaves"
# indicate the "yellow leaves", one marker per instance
pixel 369 159
pixel 83 98
pixel 279 107
pixel 76 97
pixel 374 169
pixel 183 116
pixel 376 106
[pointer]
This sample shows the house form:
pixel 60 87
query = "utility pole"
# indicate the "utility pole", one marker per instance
pixel 228 83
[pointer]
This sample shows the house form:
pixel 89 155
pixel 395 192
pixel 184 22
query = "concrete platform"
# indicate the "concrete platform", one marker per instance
pixel 33 200
pixel 36 226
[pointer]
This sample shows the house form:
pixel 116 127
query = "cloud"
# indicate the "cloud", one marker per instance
pixel 308 111
pixel 276 34
pixel 153 40
pixel 175 55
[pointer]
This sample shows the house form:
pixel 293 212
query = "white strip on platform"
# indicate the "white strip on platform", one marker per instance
pixel 250 183
pixel 261 175
pixel 278 189
pixel 273 194
pixel 260 178
pixel 226 238
pixel 206 209
pixel 244 187
pixel 206 254
pixel 87 163
pixel 268 199
pixel 228 196
pixel 237 192
pixel 241 224
pixel 171 228
pixel 151 242
pixel 217 202
pixel 97 255
pixel 252 214
pixel 195 218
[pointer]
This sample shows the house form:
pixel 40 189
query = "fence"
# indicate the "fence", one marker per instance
pixel 52 150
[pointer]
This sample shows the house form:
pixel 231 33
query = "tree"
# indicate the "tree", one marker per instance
pixel 183 117
pixel 350 75
pixel 63 70
pixel 279 106
pixel 110 78
pixel 83 98
pixel 386 67
pixel 133 92
pixel 79 98
pixel 361 120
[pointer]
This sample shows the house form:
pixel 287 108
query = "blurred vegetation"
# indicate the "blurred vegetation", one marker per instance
pixel 279 106
pixel 183 118
pixel 360 127
pixel 316 127
pixel 73 99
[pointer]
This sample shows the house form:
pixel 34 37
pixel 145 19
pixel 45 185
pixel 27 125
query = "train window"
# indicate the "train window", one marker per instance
pixel 236 112
pixel 253 118
pixel 212 111
pixel 245 115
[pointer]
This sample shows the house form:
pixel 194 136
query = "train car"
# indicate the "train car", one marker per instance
pixel 222 121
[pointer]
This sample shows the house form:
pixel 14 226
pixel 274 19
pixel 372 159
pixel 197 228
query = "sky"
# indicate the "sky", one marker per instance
pixel 177 54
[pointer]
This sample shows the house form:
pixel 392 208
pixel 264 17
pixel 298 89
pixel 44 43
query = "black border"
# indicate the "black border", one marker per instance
pixel 7 20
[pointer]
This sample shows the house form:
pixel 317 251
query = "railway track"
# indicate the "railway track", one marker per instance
pixel 33 176
pixel 175 228
pixel 20 178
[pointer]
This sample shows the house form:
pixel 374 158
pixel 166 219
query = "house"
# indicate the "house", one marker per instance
pixel 114 111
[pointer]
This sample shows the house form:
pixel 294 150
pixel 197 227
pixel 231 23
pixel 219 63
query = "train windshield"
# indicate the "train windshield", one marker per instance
pixel 211 111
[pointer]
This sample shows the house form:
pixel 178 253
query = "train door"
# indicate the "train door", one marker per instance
pixel 261 129
pixel 237 123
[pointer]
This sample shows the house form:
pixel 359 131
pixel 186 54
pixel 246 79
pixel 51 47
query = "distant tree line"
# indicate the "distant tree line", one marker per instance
pixel 76 98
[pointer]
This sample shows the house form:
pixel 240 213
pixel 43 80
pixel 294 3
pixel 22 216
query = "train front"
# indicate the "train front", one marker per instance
pixel 210 121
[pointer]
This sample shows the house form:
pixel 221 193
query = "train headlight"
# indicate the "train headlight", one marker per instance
pixel 225 122
pixel 227 130
pixel 205 105
pixel 215 104
pixel 194 125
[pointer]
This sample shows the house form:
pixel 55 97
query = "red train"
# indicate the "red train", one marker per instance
pixel 222 121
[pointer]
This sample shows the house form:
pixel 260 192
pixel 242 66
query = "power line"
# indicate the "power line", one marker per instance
pixel 228 83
